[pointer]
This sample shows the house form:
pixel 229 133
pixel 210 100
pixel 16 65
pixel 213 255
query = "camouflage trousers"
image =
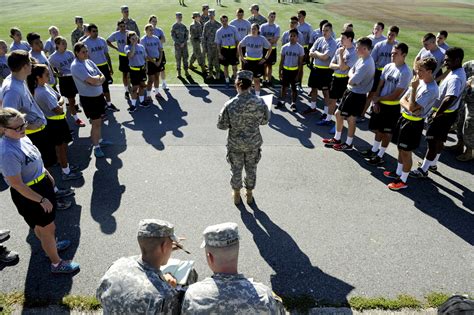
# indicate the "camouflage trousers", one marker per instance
pixel 465 124
pixel 181 54
pixel 197 53
pixel 239 160
pixel 213 58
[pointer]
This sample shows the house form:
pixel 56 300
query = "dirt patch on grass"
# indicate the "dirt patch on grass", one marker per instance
pixel 406 14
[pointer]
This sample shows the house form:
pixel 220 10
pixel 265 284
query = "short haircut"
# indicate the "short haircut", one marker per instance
pixel 302 12
pixel 149 244
pixel 381 25
pixel 244 83
pixel 293 31
pixel 223 16
pixel 78 46
pixel 240 10
pixel 30 37
pixel 59 39
pixel 92 26
pixel 455 53
pixel 122 21
pixel 443 33
pixel 17 60
pixel 271 12
pixel 294 18
pixel 327 25
pixel 402 47
pixel 321 24
pixel 152 17
pixel 148 26
pixel 394 29
pixel 428 63
pixel 365 41
pixel 14 30
pixel 429 36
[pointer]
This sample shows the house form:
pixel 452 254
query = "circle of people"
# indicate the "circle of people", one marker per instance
pixel 356 76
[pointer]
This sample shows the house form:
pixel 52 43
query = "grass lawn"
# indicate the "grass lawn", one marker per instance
pixel 415 18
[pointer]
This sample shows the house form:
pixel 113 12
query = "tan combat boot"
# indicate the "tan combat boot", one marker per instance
pixel 249 196
pixel 466 156
pixel 236 195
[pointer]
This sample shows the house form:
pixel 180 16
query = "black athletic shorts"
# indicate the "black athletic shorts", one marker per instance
pixel 273 56
pixel 352 104
pixel 46 147
pixel 254 66
pixel 94 106
pixel 67 87
pixel 32 211
pixel 386 120
pixel 230 57
pixel 108 78
pixel 377 75
pixel 152 68
pixel 306 54
pixel 58 131
pixel 438 128
pixel 338 87
pixel 320 78
pixel 123 64
pixel 290 77
pixel 137 77
pixel 408 134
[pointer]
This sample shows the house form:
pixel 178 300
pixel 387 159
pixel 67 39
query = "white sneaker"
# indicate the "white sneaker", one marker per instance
pixel 164 86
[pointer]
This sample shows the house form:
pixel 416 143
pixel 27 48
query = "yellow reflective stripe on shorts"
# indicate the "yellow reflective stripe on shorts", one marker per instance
pixel 228 47
pixel 102 64
pixel 30 131
pixel 390 102
pixel 136 68
pixel 380 69
pixel 321 67
pixel 290 68
pixel 446 111
pixel 57 117
pixel 410 117
pixel 305 46
pixel 122 54
pixel 36 180
pixel 338 75
pixel 252 58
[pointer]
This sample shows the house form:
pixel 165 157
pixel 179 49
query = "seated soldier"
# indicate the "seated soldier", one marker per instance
pixel 227 291
pixel 136 285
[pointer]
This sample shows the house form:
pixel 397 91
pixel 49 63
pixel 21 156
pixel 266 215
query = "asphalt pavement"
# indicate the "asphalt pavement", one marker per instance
pixel 324 223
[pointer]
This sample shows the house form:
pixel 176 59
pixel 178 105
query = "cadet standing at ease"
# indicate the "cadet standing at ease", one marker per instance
pixel 195 32
pixel 208 37
pixel 180 35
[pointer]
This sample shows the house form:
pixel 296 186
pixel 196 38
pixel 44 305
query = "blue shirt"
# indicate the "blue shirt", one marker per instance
pixel 62 62
pixel 152 46
pixel 227 36
pixel 81 70
pixel 138 59
pixel 97 49
pixel 255 45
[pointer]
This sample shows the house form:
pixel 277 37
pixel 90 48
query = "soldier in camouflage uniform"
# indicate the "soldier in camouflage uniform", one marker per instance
pixel 195 32
pixel 243 115
pixel 256 17
pixel 227 291
pixel 78 32
pixel 204 19
pixel 208 37
pixel 136 285
pixel 129 22
pixel 465 124
pixel 180 35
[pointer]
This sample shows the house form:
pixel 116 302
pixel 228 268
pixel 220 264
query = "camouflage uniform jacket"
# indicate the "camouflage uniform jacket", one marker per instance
pixel 243 115
pixel 209 32
pixel 179 33
pixel 131 286
pixel 76 35
pixel 131 26
pixel 230 294
pixel 259 19
pixel 468 94
pixel 195 31
pixel 204 19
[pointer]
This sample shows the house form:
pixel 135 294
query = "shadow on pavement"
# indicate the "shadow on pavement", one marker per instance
pixel 294 273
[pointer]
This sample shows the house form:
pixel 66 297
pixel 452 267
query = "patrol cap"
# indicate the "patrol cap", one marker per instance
pixel 124 8
pixel 221 235
pixel 212 12
pixel 156 228
pixel 245 74
pixel 179 14
pixel 348 34
pixel 205 6
pixel 254 7
pixel 196 14
pixel 78 18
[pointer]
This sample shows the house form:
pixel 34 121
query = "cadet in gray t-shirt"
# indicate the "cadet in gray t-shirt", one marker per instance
pixel 242 26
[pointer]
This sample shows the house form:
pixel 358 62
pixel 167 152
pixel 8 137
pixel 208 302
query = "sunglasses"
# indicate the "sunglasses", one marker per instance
pixel 19 128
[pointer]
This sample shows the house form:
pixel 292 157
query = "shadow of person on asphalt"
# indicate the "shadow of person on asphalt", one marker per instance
pixel 107 191
pixel 294 273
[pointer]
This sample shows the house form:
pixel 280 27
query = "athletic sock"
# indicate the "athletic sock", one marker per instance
pixel 338 135
pixel 376 146
pixel 109 103
pixel 381 152
pixel 312 105
pixel 257 93
pixel 66 170
pixel 426 165
pixel 325 109
pixel 435 161
pixel 399 169
pixel 148 93
pixel 75 116
pixel 55 265
pixel 134 102
pixel 404 177
pixel 96 146
pixel 329 117
pixel 141 98
pixel 56 189
pixel 349 140
pixel 227 79
pixel 125 87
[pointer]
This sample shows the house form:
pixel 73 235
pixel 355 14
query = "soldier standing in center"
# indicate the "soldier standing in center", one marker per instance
pixel 208 37
pixel 195 32
pixel 204 19
pixel 180 35
pixel 243 115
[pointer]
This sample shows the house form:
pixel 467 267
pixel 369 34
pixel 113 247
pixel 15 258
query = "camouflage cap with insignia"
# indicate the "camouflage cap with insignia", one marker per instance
pixel 124 8
pixel 212 12
pixel 156 228
pixel 196 14
pixel 221 235
pixel 205 6
pixel 245 74
pixel 179 14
